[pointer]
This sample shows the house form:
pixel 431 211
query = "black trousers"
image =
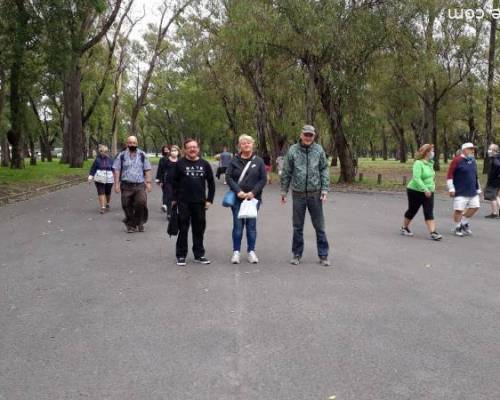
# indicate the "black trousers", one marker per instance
pixel 167 197
pixel 194 215
pixel 417 199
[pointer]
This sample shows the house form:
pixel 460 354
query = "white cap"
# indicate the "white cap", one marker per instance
pixel 468 145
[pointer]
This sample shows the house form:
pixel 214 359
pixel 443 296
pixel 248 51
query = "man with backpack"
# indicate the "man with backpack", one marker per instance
pixel 132 172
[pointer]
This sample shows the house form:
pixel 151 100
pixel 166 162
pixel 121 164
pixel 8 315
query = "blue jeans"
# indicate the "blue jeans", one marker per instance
pixel 313 203
pixel 239 224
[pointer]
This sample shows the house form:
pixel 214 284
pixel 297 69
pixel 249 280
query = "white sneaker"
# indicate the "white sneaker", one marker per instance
pixel 235 259
pixel 164 208
pixel 252 258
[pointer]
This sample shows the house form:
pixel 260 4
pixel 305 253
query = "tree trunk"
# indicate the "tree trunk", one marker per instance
pixel 488 135
pixel 372 151
pixel 435 140
pixel 4 143
pixel 115 112
pixel 384 144
pixel 15 134
pixel 446 146
pixel 32 151
pixel 73 116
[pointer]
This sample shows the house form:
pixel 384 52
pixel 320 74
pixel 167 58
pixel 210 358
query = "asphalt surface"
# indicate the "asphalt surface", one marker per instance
pixel 90 312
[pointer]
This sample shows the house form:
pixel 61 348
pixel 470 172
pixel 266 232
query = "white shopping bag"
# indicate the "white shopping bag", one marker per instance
pixel 248 209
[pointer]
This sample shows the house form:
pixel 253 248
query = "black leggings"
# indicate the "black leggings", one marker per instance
pixel 417 199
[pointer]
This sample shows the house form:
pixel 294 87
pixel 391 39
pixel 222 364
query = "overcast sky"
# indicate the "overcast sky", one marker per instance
pixel 152 15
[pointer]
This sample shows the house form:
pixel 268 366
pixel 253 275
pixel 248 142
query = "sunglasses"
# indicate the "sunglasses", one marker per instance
pixel 308 134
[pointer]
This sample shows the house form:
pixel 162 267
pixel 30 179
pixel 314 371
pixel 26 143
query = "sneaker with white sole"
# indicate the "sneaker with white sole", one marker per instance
pixel 235 259
pixel 295 260
pixel 406 231
pixel 164 208
pixel 324 261
pixel 458 231
pixel 466 229
pixel 181 261
pixel 252 258
pixel 435 236
pixel 202 260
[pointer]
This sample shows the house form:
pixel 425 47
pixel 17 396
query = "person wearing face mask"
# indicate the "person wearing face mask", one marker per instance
pixel 192 175
pixel 132 172
pixel 306 170
pixel 420 191
pixel 101 173
pixel 492 191
pixel 463 186
pixel 164 176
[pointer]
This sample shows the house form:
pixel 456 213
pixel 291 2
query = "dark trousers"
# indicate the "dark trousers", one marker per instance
pixel 191 214
pixel 220 171
pixel 417 199
pixel 167 197
pixel 134 203
pixel 313 203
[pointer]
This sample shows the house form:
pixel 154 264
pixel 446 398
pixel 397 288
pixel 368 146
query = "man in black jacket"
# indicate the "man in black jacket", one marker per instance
pixel 191 177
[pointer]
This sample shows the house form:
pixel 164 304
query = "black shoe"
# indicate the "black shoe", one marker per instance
pixel 140 228
pixel 131 229
pixel 107 206
pixel 202 260
pixel 435 236
pixel 181 261
pixel 492 216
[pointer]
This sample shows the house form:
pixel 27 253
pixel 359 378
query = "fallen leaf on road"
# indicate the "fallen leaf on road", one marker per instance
pixel 428 265
pixel 49 221
pixel 332 397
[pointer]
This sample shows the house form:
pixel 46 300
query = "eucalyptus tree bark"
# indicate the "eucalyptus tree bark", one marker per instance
pixel 488 134
pixel 73 138
pixel 157 51
pixel 15 134
pixel 4 143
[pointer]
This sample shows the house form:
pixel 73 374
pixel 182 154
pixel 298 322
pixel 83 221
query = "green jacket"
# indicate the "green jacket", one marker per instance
pixel 423 176
pixel 306 169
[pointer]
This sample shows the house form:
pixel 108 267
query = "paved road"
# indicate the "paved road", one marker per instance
pixel 89 312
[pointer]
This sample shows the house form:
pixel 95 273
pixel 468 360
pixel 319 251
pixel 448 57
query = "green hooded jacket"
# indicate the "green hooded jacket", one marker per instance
pixel 305 169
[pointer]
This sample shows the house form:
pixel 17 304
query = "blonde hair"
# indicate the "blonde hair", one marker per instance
pixel 246 137
pixel 102 148
pixel 175 147
pixel 423 151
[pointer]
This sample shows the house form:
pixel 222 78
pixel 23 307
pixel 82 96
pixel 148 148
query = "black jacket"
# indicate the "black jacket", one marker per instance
pixel 494 172
pixel 255 178
pixel 166 169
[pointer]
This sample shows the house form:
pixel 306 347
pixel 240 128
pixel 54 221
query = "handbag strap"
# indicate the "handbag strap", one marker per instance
pixel 243 173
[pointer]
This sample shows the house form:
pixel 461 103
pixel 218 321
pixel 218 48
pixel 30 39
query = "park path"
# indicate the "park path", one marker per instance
pixel 89 312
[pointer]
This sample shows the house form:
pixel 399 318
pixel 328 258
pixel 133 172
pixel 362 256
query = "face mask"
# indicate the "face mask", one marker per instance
pixel 470 157
pixel 431 155
pixel 132 148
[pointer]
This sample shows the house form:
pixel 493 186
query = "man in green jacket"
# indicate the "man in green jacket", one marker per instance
pixel 305 168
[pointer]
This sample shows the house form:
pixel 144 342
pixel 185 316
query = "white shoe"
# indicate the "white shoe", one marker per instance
pixel 235 259
pixel 252 258
pixel 164 208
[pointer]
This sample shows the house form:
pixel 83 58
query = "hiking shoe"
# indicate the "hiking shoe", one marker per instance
pixel 458 231
pixel 107 206
pixel 202 260
pixel 435 236
pixel 295 260
pixel 164 208
pixel 131 229
pixel 466 229
pixel 492 216
pixel 252 258
pixel 181 261
pixel 235 259
pixel 406 231
pixel 102 210
pixel 324 261
pixel 140 228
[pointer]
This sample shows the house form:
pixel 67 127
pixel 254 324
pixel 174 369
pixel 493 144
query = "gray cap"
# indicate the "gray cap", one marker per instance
pixel 308 128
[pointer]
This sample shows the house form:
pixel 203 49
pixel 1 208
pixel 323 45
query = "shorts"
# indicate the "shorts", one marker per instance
pixel 461 203
pixel 103 188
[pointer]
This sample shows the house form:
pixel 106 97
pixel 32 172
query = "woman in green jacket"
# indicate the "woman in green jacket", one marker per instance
pixel 420 192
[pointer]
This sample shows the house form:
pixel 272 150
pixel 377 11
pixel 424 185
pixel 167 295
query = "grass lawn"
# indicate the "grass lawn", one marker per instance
pixel 392 174
pixel 43 174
